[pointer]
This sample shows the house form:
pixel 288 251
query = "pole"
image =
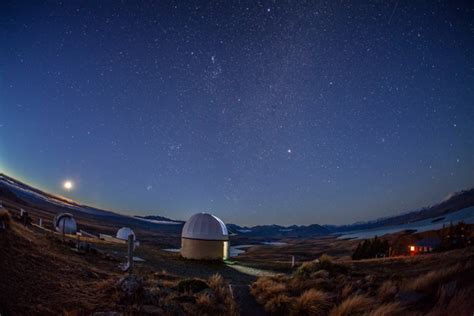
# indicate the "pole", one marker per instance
pixel 40 222
pixel 292 261
pixel 130 253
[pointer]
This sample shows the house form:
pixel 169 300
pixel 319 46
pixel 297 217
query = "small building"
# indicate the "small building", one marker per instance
pixel 124 232
pixel 424 246
pixel 205 237
pixel 65 223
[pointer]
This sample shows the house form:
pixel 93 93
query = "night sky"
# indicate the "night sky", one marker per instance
pixel 259 112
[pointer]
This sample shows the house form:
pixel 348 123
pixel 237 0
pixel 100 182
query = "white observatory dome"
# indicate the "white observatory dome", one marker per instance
pixel 65 223
pixel 124 232
pixel 205 226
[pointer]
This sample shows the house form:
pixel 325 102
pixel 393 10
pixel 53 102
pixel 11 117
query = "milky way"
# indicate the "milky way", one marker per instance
pixel 260 112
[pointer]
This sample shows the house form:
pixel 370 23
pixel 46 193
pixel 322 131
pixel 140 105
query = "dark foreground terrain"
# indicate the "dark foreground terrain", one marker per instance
pixel 43 273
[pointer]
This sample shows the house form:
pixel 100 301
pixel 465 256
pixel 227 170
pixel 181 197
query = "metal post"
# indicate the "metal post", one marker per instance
pixel 292 261
pixel 130 253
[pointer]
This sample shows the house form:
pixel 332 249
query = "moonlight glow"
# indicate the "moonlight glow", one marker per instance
pixel 68 185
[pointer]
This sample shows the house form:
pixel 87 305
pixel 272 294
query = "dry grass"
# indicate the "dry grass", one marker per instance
pixel 223 294
pixel 460 304
pixel 347 290
pixel 265 288
pixel 278 305
pixel 354 305
pixel 389 309
pixel 311 302
pixel 430 281
pixel 387 291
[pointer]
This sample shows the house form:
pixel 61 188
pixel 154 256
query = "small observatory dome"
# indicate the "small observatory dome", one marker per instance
pixel 124 232
pixel 65 223
pixel 204 236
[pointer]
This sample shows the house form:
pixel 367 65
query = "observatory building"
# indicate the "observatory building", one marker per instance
pixel 65 223
pixel 124 232
pixel 204 237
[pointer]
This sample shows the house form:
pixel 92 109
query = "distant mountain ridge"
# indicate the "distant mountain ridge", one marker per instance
pixel 20 192
pixel 453 202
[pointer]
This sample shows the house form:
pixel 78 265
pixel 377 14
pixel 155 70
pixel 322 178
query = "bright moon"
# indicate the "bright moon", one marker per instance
pixel 68 185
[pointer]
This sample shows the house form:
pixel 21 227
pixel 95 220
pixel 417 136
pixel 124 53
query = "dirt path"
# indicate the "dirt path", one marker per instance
pixel 252 271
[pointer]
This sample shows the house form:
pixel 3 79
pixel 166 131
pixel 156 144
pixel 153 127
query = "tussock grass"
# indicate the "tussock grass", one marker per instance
pixel 430 281
pixel 354 305
pixel 325 262
pixel 387 291
pixel 311 302
pixel 278 305
pixel 265 288
pixel 389 309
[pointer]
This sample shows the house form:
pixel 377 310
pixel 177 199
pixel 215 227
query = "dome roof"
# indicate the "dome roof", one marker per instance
pixel 205 226
pixel 66 223
pixel 124 232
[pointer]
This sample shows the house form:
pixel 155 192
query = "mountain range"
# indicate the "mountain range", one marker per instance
pixel 21 193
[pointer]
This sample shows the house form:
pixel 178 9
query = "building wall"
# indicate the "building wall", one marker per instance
pixel 203 249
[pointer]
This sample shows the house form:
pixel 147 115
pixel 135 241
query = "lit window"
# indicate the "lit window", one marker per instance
pixel 412 248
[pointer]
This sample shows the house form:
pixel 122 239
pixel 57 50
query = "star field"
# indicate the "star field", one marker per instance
pixel 260 112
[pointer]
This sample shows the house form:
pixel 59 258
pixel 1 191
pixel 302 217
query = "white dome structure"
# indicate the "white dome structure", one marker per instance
pixel 65 223
pixel 204 236
pixel 124 232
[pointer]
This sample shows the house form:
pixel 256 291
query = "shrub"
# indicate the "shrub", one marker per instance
pixel 192 285
pixel 278 305
pixel 311 302
pixel 325 262
pixel 265 288
pixel 354 305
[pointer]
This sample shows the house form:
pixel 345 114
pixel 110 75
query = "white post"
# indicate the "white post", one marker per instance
pixel 40 222
pixel 21 211
pixel 292 261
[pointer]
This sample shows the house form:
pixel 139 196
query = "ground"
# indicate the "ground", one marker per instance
pixel 43 274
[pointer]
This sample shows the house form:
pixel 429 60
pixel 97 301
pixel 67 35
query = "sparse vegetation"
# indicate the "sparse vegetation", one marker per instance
pixel 311 302
pixel 379 287
pixel 354 305
pixel 324 263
